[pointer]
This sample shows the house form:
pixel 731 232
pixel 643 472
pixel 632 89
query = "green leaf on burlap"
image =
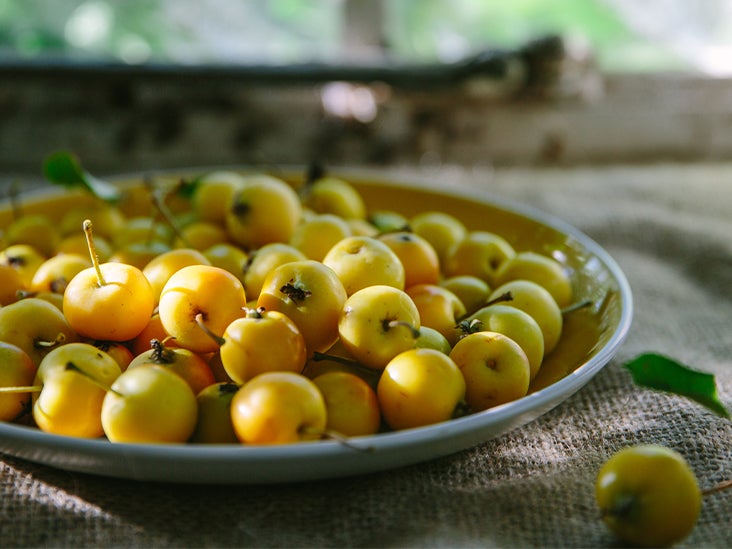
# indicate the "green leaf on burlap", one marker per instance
pixel 654 371
pixel 63 168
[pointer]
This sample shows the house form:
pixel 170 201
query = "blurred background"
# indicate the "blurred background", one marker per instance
pixel 145 84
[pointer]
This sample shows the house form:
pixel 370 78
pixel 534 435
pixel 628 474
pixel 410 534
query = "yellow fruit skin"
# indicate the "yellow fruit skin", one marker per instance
pixel 648 496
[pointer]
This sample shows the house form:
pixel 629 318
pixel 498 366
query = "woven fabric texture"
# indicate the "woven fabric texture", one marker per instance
pixel 670 229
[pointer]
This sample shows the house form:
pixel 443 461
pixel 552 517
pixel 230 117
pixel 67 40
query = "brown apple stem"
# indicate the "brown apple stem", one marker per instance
pixel 218 339
pixel 87 225
pixel 394 323
pixel 71 367
pixel 576 306
pixel 724 485
pixel 318 356
pixel 161 354
pixel 336 436
pixel 21 389
pixel 166 214
pixel 344 441
pixel 506 296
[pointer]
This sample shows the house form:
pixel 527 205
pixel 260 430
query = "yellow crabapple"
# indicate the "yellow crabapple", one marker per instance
pixel 361 261
pixel 16 370
pixel 495 369
pixel 539 268
pixel 201 235
pixel 333 195
pixel 420 387
pixel 108 301
pixel 479 254
pixel 264 209
pixel 352 408
pixel 213 193
pixel 229 257
pixel 315 236
pixel 311 295
pixel 429 338
pixel 163 266
pixel 387 221
pixel 149 404
pixel 377 323
pixel 196 295
pixel 118 351
pixel 54 274
pixel 472 291
pixel 153 330
pixel 25 259
pixel 214 425
pixel 438 308
pixel 141 229
pixel 362 227
pixel 36 326
pixel 187 364
pixel 35 230
pixel 76 244
pixel 138 254
pixel 107 220
pixel 70 400
pixel 262 341
pixel 440 229
pixel 512 322
pixel 648 495
pixel 278 408
pixel 10 284
pixel 419 258
pixel 537 302
pixel 264 260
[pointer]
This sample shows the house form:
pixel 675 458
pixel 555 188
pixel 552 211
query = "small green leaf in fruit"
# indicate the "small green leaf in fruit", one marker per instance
pixel 654 371
pixel 63 168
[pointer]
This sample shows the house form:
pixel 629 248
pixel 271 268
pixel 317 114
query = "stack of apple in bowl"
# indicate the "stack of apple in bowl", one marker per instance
pixel 240 307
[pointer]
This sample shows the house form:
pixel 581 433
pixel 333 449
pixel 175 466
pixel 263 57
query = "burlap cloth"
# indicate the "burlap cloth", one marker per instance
pixel 670 229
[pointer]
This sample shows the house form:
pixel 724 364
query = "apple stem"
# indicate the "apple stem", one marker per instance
pixel 21 389
pixel 724 485
pixel 165 213
pixel 160 353
pixel 87 226
pixel 254 312
pixel 318 356
pixel 218 339
pixel 576 306
pixel 71 367
pixel 388 324
pixel 506 296
pixel 60 338
pixel 336 436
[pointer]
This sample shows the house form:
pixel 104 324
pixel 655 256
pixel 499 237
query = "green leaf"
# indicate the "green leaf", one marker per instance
pixel 63 168
pixel 654 371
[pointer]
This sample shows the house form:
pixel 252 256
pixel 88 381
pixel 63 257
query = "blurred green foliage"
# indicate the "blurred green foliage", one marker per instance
pixel 287 31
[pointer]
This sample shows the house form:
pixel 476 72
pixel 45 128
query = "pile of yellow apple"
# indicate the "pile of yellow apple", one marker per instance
pixel 257 311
